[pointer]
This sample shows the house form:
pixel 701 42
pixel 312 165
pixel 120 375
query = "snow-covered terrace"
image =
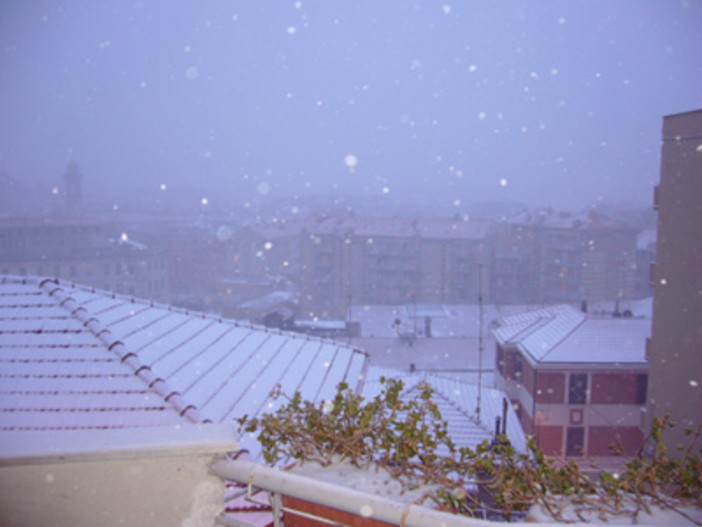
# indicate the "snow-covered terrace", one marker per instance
pixel 106 402
pixel 175 475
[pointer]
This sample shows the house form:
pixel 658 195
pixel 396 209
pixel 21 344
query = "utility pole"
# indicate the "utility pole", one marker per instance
pixel 480 340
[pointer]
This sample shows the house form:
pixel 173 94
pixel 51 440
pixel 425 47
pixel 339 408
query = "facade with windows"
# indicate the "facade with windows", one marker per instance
pixel 578 381
pixel 391 261
pixel 90 252
pixel 548 257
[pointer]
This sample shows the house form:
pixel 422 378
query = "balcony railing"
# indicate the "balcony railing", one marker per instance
pixel 333 498
pixel 175 475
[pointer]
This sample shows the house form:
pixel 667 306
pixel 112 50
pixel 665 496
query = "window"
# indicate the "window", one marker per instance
pixel 575 441
pixel 577 388
pixel 518 363
pixel 500 359
pixel 641 388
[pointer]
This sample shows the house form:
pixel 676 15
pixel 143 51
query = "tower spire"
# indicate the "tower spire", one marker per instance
pixel 72 179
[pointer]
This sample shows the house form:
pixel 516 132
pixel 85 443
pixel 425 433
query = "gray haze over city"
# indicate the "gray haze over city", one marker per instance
pixel 205 205
pixel 548 103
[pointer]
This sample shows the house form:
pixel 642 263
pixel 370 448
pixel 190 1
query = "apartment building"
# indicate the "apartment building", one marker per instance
pixel 675 349
pixel 390 261
pixel 91 252
pixel 542 256
pixel 578 381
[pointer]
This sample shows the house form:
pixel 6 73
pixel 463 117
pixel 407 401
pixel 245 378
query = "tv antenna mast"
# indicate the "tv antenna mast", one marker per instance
pixel 480 341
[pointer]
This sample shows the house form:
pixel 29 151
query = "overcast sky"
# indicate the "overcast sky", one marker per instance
pixel 546 102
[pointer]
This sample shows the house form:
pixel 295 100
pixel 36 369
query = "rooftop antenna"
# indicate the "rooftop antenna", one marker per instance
pixel 480 340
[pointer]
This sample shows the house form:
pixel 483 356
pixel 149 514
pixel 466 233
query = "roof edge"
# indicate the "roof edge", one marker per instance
pixel 143 371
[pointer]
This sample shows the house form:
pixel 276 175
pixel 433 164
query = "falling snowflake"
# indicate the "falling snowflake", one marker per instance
pixel 351 161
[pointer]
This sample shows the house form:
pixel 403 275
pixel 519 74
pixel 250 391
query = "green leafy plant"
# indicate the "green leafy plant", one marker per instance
pixel 407 437
pixel 402 436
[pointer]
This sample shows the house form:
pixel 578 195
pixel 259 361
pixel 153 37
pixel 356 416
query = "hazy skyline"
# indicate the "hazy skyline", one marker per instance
pixel 551 102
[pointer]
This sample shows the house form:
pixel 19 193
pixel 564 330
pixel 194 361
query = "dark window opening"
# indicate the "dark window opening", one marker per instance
pixel 577 388
pixel 641 388
pixel 518 364
pixel 575 441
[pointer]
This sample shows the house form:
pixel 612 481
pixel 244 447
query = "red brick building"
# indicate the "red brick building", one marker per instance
pixel 577 381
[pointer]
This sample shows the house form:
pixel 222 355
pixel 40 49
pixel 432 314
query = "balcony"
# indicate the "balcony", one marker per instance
pixel 176 475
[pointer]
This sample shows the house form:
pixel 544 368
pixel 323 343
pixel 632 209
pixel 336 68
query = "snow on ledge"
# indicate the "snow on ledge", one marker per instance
pixel 20 448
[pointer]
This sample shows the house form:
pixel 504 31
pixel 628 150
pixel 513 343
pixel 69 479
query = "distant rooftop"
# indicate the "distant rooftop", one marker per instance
pixel 563 334
pixel 447 320
pixel 582 221
pixel 441 228
pixel 457 401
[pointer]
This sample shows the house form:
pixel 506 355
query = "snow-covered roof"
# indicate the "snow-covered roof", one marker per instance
pixel 73 357
pixel 580 221
pixel 563 334
pixel 445 228
pixel 639 308
pixel 457 401
pixel 447 320
pixel 270 300
pixel 393 227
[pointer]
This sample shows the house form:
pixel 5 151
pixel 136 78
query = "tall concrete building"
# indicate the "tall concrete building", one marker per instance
pixel 675 348
pixel 391 261
pixel 543 256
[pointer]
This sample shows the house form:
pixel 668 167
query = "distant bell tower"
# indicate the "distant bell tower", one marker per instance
pixel 72 179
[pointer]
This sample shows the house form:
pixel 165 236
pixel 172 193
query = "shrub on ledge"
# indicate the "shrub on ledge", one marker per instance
pixel 409 439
